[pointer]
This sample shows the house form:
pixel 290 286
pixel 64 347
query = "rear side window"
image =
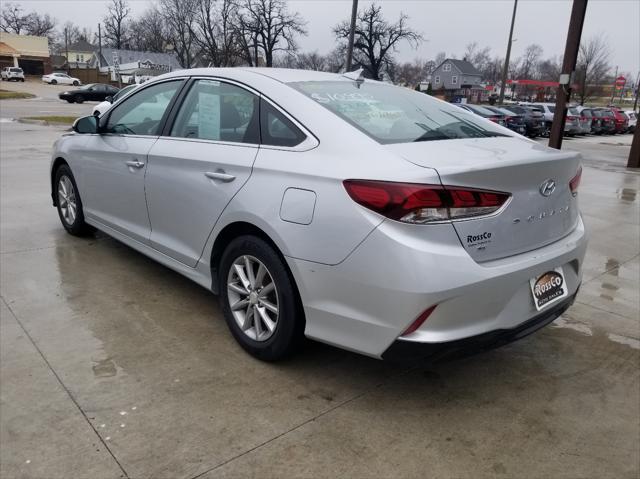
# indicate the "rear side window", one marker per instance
pixel 214 110
pixel 142 112
pixel 276 129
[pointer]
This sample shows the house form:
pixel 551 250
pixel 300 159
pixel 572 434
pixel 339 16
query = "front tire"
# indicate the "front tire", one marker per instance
pixel 78 98
pixel 259 300
pixel 53 82
pixel 75 83
pixel 69 203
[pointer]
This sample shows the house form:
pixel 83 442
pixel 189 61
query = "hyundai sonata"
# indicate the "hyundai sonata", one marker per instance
pixel 349 211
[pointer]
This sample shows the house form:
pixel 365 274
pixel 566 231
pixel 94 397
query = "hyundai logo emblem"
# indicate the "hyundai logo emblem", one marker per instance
pixel 547 187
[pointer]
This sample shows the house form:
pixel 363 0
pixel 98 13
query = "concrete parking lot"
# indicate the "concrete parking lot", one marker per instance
pixel 114 366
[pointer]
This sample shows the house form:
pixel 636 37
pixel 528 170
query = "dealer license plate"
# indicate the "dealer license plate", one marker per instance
pixel 548 288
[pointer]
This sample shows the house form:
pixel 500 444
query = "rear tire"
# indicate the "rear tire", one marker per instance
pixel 69 203
pixel 266 319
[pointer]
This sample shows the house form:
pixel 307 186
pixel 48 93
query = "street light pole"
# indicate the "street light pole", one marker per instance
pixel 505 69
pixel 352 32
pixel 571 49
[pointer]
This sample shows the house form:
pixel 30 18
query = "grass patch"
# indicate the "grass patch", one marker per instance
pixel 67 120
pixel 14 95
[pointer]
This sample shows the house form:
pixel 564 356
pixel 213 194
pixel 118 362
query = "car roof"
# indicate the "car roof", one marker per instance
pixel 283 75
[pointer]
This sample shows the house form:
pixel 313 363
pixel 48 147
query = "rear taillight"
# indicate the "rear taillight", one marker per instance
pixel 575 182
pixel 495 119
pixel 420 204
pixel 419 321
pixel 571 118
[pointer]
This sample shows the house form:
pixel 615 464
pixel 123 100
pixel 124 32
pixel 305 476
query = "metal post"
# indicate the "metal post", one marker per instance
pixel 505 69
pixel 563 95
pixel 66 47
pixel 352 32
pixel 613 87
pixel 99 46
pixel 635 103
pixel 634 154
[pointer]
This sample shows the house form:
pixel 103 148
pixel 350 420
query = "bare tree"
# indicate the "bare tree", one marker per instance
pixel 216 31
pixel 376 39
pixel 528 66
pixel 440 58
pixel 550 68
pixel 116 24
pixel 149 32
pixel 180 19
pixel 478 57
pixel 412 73
pixel 13 19
pixel 265 27
pixel 311 61
pixel 593 66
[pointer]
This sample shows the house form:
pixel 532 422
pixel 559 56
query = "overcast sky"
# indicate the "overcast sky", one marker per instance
pixel 447 25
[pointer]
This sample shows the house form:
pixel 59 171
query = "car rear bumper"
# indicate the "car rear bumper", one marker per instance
pixel 410 350
pixel 366 302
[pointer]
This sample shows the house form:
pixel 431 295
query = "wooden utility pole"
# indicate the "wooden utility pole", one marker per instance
pixel 634 154
pixel 505 68
pixel 563 95
pixel 66 47
pixel 352 32
pixel 99 46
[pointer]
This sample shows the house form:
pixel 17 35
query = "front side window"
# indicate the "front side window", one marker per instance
pixel 142 112
pixel 391 114
pixel 214 110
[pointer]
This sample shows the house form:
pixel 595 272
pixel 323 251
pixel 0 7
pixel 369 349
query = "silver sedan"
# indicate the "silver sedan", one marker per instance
pixel 333 207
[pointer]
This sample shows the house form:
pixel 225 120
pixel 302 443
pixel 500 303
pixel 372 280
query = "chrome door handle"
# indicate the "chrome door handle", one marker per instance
pixel 135 163
pixel 220 175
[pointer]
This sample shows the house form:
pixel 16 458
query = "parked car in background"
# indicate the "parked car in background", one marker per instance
pixel 583 120
pixel 60 78
pixel 548 110
pixel 12 74
pixel 309 216
pixel 572 124
pixel 633 120
pixel 512 120
pixel 100 108
pixel 484 113
pixel 620 119
pixel 533 119
pixel 594 123
pixel 89 92
pixel 608 126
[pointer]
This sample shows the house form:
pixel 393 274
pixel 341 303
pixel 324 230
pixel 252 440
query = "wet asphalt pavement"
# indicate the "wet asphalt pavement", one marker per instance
pixel 114 366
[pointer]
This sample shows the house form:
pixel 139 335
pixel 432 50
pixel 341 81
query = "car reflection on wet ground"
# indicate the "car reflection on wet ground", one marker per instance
pixel 113 366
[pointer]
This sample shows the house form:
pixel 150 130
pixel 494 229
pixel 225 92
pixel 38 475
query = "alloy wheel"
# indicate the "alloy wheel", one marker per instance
pixel 67 200
pixel 253 297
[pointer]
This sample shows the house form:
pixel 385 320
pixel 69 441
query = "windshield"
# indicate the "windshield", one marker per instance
pixel 16 70
pixel 391 114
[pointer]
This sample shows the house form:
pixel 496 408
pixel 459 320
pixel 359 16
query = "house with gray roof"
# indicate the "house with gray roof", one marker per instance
pixel 133 64
pixel 457 79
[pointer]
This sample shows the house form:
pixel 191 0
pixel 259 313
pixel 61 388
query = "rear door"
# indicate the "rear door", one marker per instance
pixel 115 161
pixel 203 158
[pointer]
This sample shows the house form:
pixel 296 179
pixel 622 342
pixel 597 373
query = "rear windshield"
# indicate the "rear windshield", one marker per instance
pixel 16 70
pixel 573 111
pixel 587 113
pixel 391 114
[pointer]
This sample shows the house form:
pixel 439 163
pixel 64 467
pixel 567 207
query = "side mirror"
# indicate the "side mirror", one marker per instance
pixel 109 99
pixel 86 124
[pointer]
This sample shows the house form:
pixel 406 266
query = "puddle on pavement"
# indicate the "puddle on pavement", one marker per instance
pixel 105 368
pixel 627 194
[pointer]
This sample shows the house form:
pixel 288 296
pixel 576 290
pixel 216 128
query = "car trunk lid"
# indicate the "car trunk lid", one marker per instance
pixel 537 213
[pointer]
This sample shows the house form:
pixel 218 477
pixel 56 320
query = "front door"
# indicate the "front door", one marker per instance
pixel 195 171
pixel 115 161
